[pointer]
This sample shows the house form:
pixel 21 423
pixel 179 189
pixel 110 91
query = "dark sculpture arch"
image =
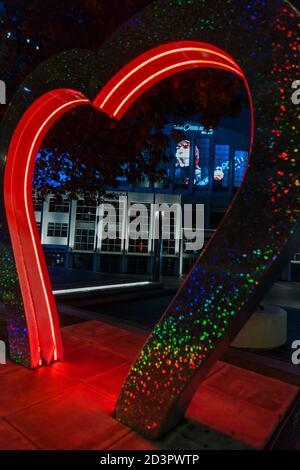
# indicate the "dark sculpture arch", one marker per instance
pixel 261 228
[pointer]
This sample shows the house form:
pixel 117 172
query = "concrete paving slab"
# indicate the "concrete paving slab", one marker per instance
pixel 72 421
pixel 88 362
pixel 192 435
pixel 242 404
pixel 111 382
pixel 4 368
pixel 126 348
pixel 71 343
pixel 70 404
pixel 21 388
pixel 95 331
pixel 11 439
pixel 133 441
pixel 242 384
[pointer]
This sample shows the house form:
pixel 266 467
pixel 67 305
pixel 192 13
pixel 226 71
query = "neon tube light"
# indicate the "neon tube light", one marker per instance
pixel 43 326
pixel 184 65
pixel 159 56
pixel 99 288
pixel 57 111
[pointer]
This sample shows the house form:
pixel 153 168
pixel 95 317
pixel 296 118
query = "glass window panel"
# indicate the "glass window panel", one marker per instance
pixel 201 163
pixel 84 239
pixel 221 172
pixel 182 162
pixel 59 206
pixel 240 166
pixel 57 230
pixel 86 212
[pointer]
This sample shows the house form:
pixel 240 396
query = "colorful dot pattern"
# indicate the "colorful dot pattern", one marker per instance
pixel 253 242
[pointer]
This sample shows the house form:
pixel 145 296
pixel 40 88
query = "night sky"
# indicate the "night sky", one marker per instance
pixel 32 31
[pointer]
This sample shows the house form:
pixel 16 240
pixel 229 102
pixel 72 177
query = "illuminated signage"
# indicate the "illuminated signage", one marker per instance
pixel 193 128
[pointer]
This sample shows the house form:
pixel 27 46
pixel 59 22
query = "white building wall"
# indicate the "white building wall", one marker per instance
pixel 45 217
pixel 54 217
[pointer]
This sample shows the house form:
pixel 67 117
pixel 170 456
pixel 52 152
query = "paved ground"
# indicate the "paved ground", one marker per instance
pixel 69 405
pixel 145 313
pixel 286 294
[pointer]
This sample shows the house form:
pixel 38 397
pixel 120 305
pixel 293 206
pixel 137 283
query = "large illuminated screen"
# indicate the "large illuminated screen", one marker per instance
pixel 208 162
pixel 182 162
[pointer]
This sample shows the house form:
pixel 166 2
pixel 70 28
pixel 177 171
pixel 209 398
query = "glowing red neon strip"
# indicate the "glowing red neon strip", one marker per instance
pixel 160 55
pixel 40 308
pixel 9 186
pixel 165 72
pixel 27 184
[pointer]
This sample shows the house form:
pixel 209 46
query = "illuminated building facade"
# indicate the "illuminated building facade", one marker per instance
pixel 207 167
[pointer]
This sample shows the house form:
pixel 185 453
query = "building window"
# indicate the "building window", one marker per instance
pixel 59 205
pixel 221 172
pixel 201 163
pixel 37 204
pixel 57 230
pixel 182 162
pixel 113 245
pixel 240 166
pixel 169 245
pixel 86 212
pixel 141 245
pixel 84 239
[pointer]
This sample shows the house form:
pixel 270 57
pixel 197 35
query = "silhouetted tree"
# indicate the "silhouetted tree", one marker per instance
pixel 86 151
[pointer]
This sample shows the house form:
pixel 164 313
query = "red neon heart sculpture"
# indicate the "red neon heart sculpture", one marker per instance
pixel 253 243
pixel 115 99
